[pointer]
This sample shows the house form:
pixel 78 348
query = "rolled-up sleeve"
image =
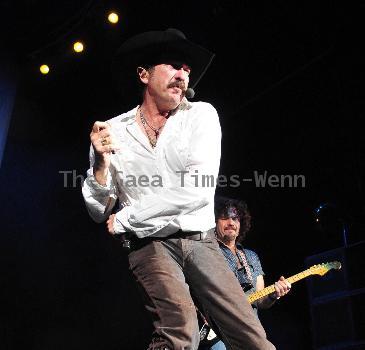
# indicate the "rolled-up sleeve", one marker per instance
pixel 99 199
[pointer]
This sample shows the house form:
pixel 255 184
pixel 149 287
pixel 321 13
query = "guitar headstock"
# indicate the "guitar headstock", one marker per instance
pixel 323 268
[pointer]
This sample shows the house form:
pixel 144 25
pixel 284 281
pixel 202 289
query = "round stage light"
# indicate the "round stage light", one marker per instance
pixel 44 69
pixel 78 46
pixel 113 17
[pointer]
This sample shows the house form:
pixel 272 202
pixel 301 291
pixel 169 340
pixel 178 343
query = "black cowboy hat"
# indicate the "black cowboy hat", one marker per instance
pixel 156 47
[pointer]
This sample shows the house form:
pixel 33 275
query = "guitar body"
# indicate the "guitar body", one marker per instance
pixel 209 338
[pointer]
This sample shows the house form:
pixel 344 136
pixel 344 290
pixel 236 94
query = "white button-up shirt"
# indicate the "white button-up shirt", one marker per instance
pixel 161 189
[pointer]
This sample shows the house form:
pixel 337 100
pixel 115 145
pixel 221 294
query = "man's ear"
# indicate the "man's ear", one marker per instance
pixel 143 74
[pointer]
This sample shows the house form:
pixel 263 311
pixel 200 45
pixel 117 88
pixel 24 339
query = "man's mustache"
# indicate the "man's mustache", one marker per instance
pixel 230 227
pixel 178 84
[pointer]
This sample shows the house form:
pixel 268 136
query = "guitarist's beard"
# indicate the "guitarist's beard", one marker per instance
pixel 228 239
pixel 228 236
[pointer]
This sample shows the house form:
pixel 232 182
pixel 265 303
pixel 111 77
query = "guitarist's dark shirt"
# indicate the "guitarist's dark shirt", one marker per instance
pixel 253 262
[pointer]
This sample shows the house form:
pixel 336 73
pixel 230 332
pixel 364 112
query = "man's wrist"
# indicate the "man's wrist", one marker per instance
pixel 101 175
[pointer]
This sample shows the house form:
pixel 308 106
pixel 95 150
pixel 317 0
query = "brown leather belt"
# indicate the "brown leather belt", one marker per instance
pixel 193 235
pixel 137 243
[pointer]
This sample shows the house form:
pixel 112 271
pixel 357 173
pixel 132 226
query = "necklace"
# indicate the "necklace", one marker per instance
pixel 153 141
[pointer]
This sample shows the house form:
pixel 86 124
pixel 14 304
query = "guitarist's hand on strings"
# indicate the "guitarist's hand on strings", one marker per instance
pixel 282 287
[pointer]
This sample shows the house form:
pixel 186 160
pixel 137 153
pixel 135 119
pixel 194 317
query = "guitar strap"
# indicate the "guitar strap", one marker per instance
pixel 243 261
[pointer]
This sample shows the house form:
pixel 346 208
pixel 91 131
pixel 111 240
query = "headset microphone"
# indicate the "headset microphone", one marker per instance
pixel 190 93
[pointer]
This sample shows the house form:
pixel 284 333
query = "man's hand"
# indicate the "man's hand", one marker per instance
pixel 282 287
pixel 104 145
pixel 110 224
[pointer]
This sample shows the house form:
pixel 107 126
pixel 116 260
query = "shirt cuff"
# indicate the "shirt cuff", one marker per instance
pixel 121 221
pixel 95 187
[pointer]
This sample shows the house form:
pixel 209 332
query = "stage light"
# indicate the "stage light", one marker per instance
pixel 78 46
pixel 113 17
pixel 44 69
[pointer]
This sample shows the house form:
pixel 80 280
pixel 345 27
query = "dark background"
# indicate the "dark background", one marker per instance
pixel 287 82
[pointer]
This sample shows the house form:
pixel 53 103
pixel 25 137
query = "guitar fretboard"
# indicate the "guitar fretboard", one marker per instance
pixel 271 289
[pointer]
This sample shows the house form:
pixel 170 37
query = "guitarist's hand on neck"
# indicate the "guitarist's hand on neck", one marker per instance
pixel 282 288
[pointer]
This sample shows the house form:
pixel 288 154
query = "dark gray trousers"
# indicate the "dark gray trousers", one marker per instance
pixel 170 271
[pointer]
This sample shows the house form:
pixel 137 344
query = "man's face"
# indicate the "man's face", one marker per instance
pixel 228 228
pixel 167 83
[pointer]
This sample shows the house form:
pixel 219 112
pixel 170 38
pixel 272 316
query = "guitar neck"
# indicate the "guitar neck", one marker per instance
pixel 271 289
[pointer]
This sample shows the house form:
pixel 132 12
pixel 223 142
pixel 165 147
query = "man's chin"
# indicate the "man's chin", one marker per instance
pixel 227 238
pixel 169 101
pixel 175 99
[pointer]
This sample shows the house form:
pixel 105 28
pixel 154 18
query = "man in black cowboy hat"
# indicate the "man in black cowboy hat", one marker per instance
pixel 152 159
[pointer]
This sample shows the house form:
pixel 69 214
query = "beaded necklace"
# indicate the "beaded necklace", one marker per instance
pixel 157 131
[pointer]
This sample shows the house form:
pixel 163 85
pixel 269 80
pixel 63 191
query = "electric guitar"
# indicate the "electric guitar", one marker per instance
pixel 207 335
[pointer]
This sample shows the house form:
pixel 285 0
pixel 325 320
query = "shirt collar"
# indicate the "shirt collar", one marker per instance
pixel 238 245
pixel 131 116
pixel 185 104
